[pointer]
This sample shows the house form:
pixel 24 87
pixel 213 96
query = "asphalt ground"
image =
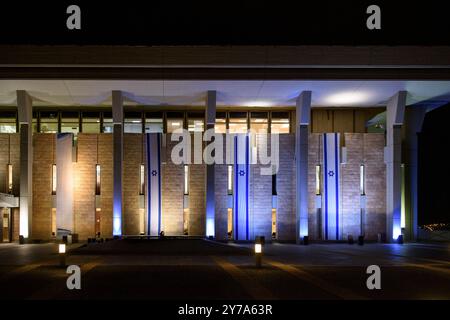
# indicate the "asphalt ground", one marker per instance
pixel 183 269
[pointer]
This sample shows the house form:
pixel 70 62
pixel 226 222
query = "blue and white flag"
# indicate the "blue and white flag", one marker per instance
pixel 241 187
pixel 331 185
pixel 154 184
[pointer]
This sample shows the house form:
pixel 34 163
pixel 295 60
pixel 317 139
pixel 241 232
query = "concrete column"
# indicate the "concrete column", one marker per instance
pixel 303 114
pixel 414 117
pixel 24 105
pixel 210 178
pixel 394 122
pixel 117 112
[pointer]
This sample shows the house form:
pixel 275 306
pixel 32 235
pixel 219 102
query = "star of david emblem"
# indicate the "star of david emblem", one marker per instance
pixel 154 173
pixel 242 173
pixel 331 173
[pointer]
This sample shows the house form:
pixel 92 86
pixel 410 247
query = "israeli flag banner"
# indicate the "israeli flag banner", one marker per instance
pixel 331 175
pixel 241 187
pixel 153 184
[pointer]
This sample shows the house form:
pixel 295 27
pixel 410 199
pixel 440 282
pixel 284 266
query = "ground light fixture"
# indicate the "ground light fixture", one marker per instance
pixel 258 254
pixel 62 254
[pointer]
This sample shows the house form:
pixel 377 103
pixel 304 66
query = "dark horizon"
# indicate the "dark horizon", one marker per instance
pixel 433 178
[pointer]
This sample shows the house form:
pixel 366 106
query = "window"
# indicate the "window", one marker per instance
pixel 97 180
pixel 107 122
pixel 175 121
pixel 196 122
pixel 70 122
pixel 259 122
pixel 280 122
pixel 8 122
pixel 10 178
pixel 49 122
pixel 230 179
pixel 54 179
pixel 274 184
pixel 154 122
pixel 186 179
pixel 362 178
pixel 221 122
pixel 133 122
pixel 91 122
pixel 318 170
pixel 35 122
pixel 142 180
pixel 238 122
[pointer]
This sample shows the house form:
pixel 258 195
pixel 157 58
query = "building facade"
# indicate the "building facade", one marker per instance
pixel 73 163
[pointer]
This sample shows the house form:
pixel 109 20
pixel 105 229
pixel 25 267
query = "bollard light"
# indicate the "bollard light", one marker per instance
pixel 258 254
pixel 62 254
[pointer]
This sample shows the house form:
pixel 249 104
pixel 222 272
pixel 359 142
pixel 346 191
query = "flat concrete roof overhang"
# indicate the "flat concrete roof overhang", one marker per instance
pixel 226 62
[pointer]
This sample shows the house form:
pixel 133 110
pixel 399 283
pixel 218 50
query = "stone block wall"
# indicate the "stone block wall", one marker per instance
pixel 286 218
pixel 133 157
pixel 172 193
pixel 44 153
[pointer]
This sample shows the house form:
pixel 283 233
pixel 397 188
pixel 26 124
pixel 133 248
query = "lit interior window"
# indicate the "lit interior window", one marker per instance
pixel 317 180
pixel 230 179
pixel 154 122
pixel 238 122
pixel 259 122
pixel 280 122
pixel 108 126
pixel 8 122
pixel 97 180
pixel 220 126
pixel 10 178
pixel 195 125
pixel 54 179
pixel 175 121
pixel 133 122
pixel 70 122
pixel 142 180
pixel 186 179
pixel 362 178
pixel 49 122
pixel 91 122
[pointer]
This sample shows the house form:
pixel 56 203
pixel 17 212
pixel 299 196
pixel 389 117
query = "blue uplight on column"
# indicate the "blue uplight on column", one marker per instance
pixel 117 218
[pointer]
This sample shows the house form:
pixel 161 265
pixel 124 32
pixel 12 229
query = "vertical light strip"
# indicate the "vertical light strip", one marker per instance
pixel 362 180
pixel 54 179
pixel 142 180
pixel 230 179
pixel 186 179
pixel 10 178
pixel 318 171
pixel 403 203
pixel 97 180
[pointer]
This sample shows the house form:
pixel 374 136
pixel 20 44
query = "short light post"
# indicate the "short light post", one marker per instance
pixel 259 242
pixel 62 254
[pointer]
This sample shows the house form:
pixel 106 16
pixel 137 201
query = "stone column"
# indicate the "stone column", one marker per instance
pixel 414 117
pixel 117 112
pixel 24 105
pixel 395 114
pixel 210 178
pixel 303 114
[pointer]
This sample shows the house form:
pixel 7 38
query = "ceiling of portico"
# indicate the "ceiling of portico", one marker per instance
pixel 229 93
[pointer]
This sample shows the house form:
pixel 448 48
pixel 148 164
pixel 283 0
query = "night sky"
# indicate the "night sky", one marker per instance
pixel 434 173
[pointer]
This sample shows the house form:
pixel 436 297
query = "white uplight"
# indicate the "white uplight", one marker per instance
pixel 347 98
pixel 62 248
